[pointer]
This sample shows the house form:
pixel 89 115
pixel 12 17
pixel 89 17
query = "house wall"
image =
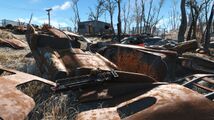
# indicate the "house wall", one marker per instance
pixel 92 27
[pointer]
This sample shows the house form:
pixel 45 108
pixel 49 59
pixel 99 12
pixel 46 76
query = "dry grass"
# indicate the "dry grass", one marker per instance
pixel 49 105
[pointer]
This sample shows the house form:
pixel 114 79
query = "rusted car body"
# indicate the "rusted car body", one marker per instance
pixel 164 102
pixel 58 56
pixel 14 43
pixel 152 62
pixel 142 98
pixel 198 62
pixel 14 104
pixel 202 83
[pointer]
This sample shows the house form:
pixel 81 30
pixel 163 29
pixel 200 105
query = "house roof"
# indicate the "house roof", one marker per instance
pixel 94 21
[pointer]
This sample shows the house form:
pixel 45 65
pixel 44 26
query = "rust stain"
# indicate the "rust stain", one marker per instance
pixel 14 43
pixel 135 59
pixel 57 57
pixel 172 102
pixel 15 105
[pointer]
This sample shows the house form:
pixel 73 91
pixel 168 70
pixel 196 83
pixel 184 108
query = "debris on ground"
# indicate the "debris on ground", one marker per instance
pixel 157 81
pixel 7 39
pixel 54 53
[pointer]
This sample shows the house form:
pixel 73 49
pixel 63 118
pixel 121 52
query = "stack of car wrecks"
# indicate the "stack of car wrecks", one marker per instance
pixel 136 83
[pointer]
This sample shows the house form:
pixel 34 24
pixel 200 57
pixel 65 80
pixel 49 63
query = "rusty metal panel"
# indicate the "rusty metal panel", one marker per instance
pixel 56 58
pixel 198 62
pixel 102 114
pixel 135 59
pixel 57 33
pixel 202 83
pixel 14 43
pixel 15 105
pixel 79 59
pixel 169 102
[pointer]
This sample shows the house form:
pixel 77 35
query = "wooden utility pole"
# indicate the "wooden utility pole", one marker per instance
pixel 49 16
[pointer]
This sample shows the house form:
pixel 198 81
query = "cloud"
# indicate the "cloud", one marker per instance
pixel 64 6
pixel 54 22
pixel 22 20
pixel 40 21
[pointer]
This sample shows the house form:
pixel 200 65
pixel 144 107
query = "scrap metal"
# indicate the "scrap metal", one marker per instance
pixel 14 43
pixel 142 60
pixel 100 78
pixel 197 80
pixel 198 62
pixel 14 104
pixel 55 55
pixel 165 102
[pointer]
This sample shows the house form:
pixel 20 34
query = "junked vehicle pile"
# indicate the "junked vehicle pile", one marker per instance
pixel 6 39
pixel 132 82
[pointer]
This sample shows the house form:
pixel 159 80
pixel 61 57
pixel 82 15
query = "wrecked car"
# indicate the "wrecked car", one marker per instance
pixel 164 102
pixel 14 104
pixel 142 98
pixel 155 100
pixel 141 40
pixel 9 40
pixel 133 41
pixel 14 43
pixel 159 64
pixel 58 56
pixel 84 43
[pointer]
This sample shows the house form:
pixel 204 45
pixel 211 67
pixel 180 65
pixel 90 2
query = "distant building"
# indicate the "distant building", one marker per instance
pixel 5 23
pixel 94 28
pixel 66 29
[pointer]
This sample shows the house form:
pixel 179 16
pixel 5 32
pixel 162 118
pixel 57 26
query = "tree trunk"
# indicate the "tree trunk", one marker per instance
pixel 119 21
pixel 207 31
pixel 183 24
pixel 112 25
pixel 195 27
pixel 189 35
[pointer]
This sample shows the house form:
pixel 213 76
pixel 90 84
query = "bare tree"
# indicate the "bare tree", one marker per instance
pixel 142 16
pixel 98 12
pixel 203 18
pixel 147 23
pixel 137 16
pixel 110 6
pixel 206 35
pixel 183 25
pixel 126 17
pixel 152 18
pixel 174 14
pixel 124 11
pixel 119 19
pixel 195 10
pixel 76 18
